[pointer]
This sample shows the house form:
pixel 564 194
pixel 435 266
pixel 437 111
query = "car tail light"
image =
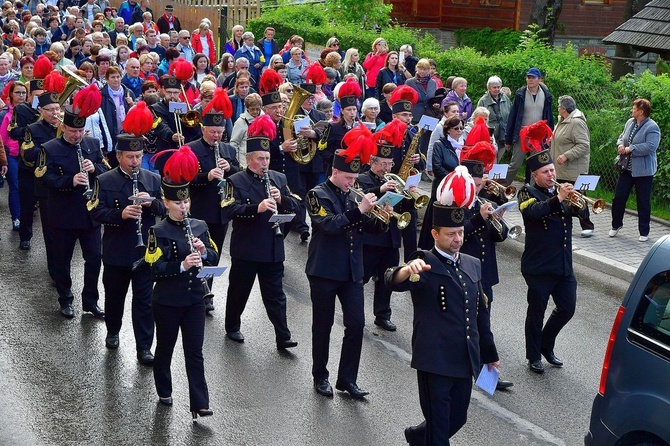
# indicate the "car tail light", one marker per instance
pixel 610 347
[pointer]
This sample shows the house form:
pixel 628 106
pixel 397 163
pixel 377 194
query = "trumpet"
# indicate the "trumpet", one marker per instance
pixel 499 223
pixel 266 179
pixel 497 189
pixel 136 190
pixel 207 293
pixel 402 220
pixel 581 201
pixel 420 201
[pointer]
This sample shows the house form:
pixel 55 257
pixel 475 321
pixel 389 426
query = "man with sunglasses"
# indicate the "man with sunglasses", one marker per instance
pixel 184 46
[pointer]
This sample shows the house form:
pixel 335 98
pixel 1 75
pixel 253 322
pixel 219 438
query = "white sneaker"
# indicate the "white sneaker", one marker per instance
pixel 586 233
pixel 643 238
pixel 613 232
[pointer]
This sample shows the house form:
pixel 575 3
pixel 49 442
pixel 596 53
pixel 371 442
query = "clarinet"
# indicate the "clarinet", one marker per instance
pixel 207 293
pixel 136 190
pixel 80 157
pixel 222 183
pixel 266 178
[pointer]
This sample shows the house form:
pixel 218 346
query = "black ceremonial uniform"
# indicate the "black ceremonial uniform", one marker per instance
pixel 451 330
pixel 177 302
pixel 119 251
pixel 334 142
pixel 35 135
pixel 167 128
pixel 479 241
pixel 380 251
pixel 69 218
pixel 256 250
pixel 409 235
pixel 205 194
pixel 546 265
pixel 335 268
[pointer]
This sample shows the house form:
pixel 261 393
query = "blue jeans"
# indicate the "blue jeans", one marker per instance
pixel 13 183
pixel 147 163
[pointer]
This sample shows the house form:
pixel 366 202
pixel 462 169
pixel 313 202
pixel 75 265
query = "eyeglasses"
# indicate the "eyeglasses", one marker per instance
pixel 289 91
pixel 386 163
pixel 185 37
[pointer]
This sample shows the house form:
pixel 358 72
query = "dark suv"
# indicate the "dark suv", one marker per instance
pixel 633 403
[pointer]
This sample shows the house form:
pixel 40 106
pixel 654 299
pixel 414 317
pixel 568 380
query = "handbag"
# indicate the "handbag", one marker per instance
pixel 621 162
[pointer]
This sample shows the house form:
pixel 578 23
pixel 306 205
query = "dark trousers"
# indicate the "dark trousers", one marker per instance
pixel 243 274
pixel 191 321
pixel 27 202
pixel 47 234
pixel 323 293
pixel 409 236
pixel 89 241
pixel 376 260
pixel 585 220
pixel 116 280
pixel 643 197
pixel 563 289
pixel 444 403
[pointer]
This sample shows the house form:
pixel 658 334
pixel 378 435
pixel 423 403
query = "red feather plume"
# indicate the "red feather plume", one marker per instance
pixel 316 74
pixel 42 67
pixel 350 88
pixel 359 141
pixel 54 82
pixel 87 101
pixel 220 103
pixel 535 137
pixel 139 120
pixel 457 189
pixel 269 82
pixel 404 93
pixel 478 132
pixel 393 133
pixel 263 126
pixel 482 151
pixel 181 69
pixel 5 92
pixel 182 166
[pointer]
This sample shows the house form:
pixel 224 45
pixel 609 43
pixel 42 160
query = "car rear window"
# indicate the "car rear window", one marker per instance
pixel 652 316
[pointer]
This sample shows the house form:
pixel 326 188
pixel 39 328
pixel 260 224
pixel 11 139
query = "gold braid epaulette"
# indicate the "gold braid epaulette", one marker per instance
pixel 527 203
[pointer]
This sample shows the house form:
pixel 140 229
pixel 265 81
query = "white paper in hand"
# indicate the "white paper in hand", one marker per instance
pixel 304 122
pixel 412 180
pixel 488 379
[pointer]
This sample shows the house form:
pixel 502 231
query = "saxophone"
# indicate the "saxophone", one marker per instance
pixel 407 169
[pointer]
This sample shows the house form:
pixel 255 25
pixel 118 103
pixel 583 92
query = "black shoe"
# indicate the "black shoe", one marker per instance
pixel 322 387
pixel 167 401
pixel 536 366
pixel 96 311
pixel 503 385
pixel 552 359
pixel 385 324
pixel 145 357
pixel 304 236
pixel 209 304
pixel 112 341
pixel 352 388
pixel 67 311
pixel 24 245
pixel 414 435
pixel 201 413
pixel 235 336
pixel 286 343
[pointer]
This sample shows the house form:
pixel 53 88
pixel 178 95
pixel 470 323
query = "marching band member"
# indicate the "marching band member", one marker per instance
pixel 451 318
pixel 256 245
pixel 71 164
pixel 126 226
pixel 213 168
pixel 348 95
pixel 335 263
pixel 178 247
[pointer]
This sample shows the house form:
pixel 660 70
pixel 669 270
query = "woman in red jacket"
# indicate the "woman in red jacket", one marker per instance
pixel 374 62
pixel 202 41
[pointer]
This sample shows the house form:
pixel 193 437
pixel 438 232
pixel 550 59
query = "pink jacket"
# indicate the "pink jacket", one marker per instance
pixel 11 145
pixel 373 64
pixel 197 46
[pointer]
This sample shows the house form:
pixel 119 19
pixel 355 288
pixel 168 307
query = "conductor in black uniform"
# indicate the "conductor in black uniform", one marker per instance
pixel 451 327
pixel 546 262
pixel 205 192
pixel 256 245
pixel 335 269
pixel 121 243
pixel 176 250
pixel 68 175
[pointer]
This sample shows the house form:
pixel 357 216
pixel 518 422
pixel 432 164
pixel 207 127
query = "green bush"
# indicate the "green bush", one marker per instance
pixel 487 41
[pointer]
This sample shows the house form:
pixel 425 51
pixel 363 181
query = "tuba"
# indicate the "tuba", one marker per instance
pixel 306 147
pixel 74 81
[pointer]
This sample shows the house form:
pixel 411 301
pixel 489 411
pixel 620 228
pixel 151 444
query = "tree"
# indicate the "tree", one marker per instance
pixel 545 14
pixel 367 13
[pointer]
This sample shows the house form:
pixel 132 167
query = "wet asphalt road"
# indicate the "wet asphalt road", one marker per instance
pixel 62 387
